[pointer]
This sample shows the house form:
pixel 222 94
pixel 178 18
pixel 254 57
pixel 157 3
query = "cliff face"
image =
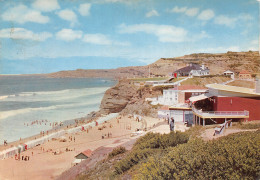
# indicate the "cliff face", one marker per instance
pixel 117 98
pixel 127 98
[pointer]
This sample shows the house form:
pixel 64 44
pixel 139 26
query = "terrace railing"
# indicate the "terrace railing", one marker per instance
pixel 221 113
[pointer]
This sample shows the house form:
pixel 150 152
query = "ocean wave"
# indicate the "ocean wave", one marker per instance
pixel 11 113
pixel 54 95
pixel 3 97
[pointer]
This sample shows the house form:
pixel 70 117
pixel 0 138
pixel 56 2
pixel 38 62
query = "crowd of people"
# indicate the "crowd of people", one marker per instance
pixel 44 122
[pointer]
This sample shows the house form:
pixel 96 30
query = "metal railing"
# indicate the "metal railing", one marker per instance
pixel 221 113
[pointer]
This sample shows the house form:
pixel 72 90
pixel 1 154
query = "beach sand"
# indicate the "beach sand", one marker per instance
pixel 46 165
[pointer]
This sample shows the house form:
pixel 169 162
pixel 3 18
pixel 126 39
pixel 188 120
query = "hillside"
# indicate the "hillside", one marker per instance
pixel 217 63
pixel 119 73
pixel 181 155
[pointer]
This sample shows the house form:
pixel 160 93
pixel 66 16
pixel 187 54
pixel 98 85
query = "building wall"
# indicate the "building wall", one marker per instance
pixel 181 115
pixel 181 97
pixel 238 104
pixel 170 97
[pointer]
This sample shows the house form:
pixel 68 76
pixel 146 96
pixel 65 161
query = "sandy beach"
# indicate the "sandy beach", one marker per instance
pixel 43 164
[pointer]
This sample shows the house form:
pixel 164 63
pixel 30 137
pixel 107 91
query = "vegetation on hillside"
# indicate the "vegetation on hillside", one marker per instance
pixel 236 156
pixel 117 151
pixel 178 156
pixel 204 80
pixel 148 79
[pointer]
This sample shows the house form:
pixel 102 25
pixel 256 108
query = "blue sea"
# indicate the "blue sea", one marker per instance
pixel 25 100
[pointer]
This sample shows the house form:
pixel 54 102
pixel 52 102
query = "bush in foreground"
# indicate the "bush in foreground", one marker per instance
pixel 116 151
pixel 151 144
pixel 233 157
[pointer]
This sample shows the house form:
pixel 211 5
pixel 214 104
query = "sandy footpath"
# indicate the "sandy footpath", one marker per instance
pixel 43 164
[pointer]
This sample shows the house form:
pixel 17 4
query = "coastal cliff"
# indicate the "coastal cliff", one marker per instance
pixel 128 98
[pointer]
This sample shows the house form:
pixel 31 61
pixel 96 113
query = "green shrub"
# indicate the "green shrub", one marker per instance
pixel 150 145
pixel 233 157
pixel 156 140
pixel 116 151
pixel 132 159
pixel 250 126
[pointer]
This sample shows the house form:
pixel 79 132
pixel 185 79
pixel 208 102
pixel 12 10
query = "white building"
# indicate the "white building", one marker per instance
pixel 177 95
pixel 193 69
pixel 229 73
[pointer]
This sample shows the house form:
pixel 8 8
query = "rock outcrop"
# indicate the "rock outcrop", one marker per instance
pixel 116 98
pixel 127 98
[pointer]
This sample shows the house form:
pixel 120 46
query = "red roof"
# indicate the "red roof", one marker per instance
pixel 87 152
pixel 244 72
pixel 188 87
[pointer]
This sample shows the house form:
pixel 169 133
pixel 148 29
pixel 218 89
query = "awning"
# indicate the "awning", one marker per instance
pixel 199 97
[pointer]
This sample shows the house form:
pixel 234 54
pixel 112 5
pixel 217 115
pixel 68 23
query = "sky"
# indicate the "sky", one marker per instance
pixel 43 36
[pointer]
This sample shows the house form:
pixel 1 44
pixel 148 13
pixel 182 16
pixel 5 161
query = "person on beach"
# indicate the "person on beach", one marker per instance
pixel 172 124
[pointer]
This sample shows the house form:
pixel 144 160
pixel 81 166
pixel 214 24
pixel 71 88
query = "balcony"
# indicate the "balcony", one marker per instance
pixel 220 114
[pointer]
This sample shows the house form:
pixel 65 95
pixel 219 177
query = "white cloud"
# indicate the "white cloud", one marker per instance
pixel 192 11
pixel 201 35
pixel 245 17
pixel 46 5
pixel 84 9
pixel 165 33
pixel 206 15
pixel 22 14
pixel 225 20
pixel 177 9
pixel 231 21
pixel 68 15
pixel 185 10
pixel 68 35
pixel 100 39
pixel 152 13
pixel 23 34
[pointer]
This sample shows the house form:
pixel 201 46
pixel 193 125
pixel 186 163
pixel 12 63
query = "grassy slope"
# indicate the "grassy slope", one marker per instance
pixel 202 81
